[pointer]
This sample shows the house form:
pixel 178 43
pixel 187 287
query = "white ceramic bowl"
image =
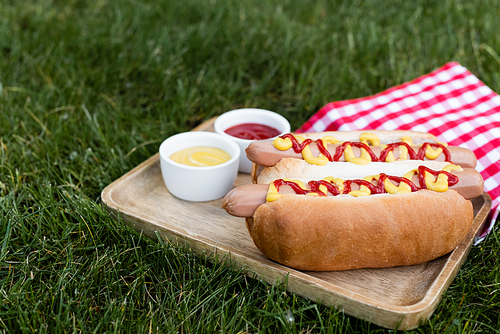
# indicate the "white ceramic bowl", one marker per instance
pixel 249 115
pixel 198 184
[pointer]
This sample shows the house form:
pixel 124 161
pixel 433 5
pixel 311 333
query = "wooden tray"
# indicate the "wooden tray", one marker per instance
pixel 401 297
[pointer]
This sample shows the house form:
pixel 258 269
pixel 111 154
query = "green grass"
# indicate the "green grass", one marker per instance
pixel 89 89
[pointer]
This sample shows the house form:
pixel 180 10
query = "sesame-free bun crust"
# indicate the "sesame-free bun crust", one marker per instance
pixel 343 232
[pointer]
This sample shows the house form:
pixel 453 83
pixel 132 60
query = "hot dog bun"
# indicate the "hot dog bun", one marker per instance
pixel 340 233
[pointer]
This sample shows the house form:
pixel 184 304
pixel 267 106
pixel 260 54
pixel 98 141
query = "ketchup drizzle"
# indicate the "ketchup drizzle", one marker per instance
pixel 452 179
pixel 323 149
pixel 369 185
pixel 340 150
pixel 391 147
pixel 398 180
pixel 298 190
pixel 333 189
pixel 383 155
pixel 421 152
pixel 295 144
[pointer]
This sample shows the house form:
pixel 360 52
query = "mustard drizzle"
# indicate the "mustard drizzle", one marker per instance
pixel 440 183
pixel 285 143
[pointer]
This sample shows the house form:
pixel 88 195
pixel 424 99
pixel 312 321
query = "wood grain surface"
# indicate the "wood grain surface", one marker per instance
pixel 400 297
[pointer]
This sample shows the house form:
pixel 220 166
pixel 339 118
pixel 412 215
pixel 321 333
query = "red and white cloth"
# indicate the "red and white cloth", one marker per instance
pixel 450 102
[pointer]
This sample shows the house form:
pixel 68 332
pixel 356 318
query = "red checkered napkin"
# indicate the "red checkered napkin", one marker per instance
pixel 450 102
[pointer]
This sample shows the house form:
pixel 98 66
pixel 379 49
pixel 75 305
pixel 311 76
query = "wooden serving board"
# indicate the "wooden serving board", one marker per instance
pixel 401 297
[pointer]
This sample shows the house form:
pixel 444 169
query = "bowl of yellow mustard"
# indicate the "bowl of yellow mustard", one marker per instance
pixel 199 166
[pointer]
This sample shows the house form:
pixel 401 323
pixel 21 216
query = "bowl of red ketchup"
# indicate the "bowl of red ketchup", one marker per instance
pixel 249 124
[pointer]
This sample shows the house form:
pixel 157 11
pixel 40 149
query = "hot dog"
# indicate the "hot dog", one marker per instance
pixel 299 169
pixel 360 211
pixel 243 201
pixel 378 146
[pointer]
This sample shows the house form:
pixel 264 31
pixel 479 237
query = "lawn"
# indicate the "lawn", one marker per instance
pixel 90 88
